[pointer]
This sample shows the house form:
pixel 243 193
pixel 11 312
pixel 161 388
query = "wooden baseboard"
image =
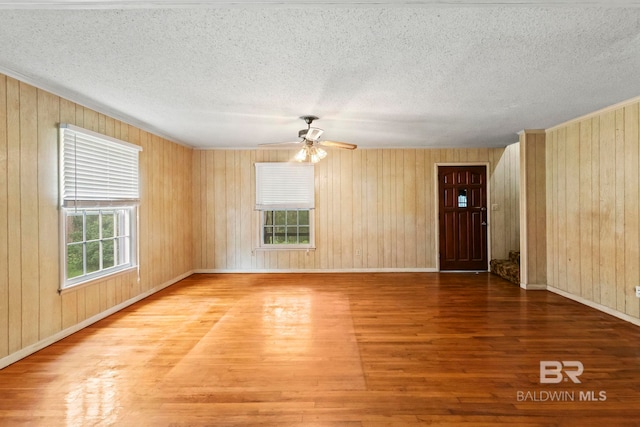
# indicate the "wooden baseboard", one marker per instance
pixel 24 352
pixel 344 270
pixel 533 286
pixel 600 307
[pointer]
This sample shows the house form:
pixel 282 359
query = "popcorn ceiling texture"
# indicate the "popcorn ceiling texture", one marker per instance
pixel 376 75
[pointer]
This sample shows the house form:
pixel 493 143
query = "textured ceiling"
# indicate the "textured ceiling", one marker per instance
pixel 379 74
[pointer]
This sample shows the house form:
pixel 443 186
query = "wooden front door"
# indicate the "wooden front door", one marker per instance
pixel 462 194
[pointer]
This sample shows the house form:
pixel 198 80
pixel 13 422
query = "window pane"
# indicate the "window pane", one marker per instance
pixel 303 217
pixel 108 223
pixel 122 224
pixel 123 255
pixel 462 198
pixel 292 235
pixel 280 217
pixel 292 217
pixel 268 216
pixel 74 261
pixel 290 227
pixel 93 256
pixel 108 248
pixel 304 235
pixel 93 225
pixel 268 235
pixel 74 228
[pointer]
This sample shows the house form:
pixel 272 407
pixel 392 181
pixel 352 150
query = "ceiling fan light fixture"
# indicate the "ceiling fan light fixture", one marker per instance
pixel 301 155
pixel 321 153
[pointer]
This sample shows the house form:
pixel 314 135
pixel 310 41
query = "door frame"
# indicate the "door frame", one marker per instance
pixel 436 204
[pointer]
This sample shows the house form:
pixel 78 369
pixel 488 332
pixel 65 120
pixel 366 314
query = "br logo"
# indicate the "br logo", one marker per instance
pixel 554 371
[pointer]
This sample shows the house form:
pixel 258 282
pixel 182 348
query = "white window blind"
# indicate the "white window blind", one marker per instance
pixel 284 186
pixel 97 169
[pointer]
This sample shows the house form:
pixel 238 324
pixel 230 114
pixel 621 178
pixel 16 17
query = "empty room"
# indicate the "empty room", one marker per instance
pixel 331 213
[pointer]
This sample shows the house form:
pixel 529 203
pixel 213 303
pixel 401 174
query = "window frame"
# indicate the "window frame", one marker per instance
pixel 131 212
pixel 284 186
pixel 72 203
pixel 285 246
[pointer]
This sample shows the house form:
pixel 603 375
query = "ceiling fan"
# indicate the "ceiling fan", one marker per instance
pixel 310 138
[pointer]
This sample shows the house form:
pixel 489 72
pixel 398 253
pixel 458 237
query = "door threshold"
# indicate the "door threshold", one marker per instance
pixel 464 271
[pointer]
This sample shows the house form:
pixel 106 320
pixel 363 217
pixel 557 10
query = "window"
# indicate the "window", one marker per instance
pixel 97 240
pixel 285 200
pixel 99 196
pixel 290 227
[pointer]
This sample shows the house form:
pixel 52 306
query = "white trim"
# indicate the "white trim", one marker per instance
pixel 594 305
pixel 533 287
pixel 436 204
pixel 93 280
pixel 24 352
pixel 316 270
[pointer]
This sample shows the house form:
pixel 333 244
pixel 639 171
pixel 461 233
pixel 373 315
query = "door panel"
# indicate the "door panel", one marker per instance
pixel 463 217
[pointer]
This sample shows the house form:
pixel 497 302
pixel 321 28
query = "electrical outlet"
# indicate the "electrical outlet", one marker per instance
pixel 638 291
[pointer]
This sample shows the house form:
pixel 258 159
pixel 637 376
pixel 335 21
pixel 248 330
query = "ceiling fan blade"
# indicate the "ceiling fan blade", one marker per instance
pixel 337 144
pixel 283 145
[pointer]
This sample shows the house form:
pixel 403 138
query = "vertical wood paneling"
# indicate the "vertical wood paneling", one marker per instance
pixel 69 299
pixel 620 209
pixel 498 178
pixel 533 257
pixel 31 309
pixel 374 209
pixel 552 220
pixel 607 210
pixel 231 189
pixel 585 245
pixel 345 193
pixel 562 209
pixel 594 191
pixel 370 248
pixel 29 213
pixel 49 267
pixel 144 212
pixel 540 242
pixel 387 208
pixel 573 207
pixel 13 217
pixel 408 209
pixel 4 222
pixel 631 210
pixel 357 209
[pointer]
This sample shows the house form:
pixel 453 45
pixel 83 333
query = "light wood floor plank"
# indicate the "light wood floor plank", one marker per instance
pixel 333 349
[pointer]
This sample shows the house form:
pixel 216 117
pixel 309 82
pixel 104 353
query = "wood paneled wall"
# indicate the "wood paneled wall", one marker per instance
pixel 533 211
pixel 593 246
pixel 374 209
pixel 505 217
pixel 31 309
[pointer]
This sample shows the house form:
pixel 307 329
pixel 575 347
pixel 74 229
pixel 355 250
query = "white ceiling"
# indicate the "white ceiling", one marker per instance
pixel 379 74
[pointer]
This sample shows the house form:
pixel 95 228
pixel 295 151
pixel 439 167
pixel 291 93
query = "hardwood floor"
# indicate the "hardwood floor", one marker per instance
pixel 334 349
